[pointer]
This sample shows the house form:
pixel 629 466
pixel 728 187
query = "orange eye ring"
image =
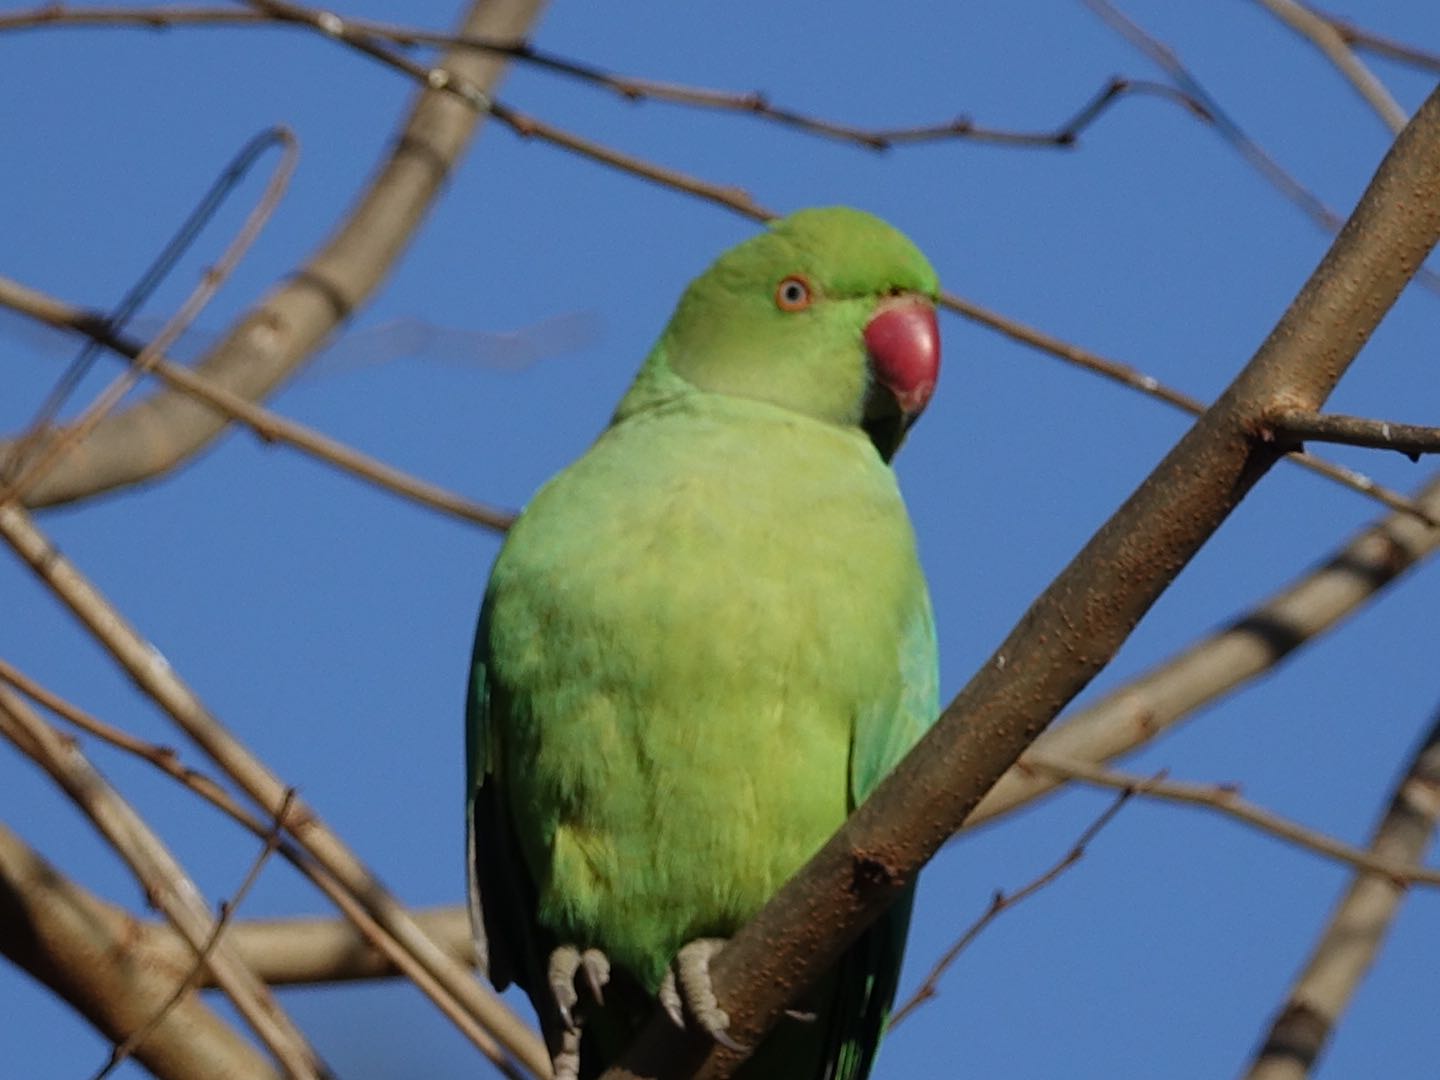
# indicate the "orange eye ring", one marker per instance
pixel 794 293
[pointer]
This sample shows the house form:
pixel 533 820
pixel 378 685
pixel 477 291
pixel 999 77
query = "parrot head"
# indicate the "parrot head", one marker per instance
pixel 829 313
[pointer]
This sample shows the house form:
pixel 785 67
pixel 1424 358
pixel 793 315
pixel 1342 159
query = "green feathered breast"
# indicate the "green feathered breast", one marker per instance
pixel 701 647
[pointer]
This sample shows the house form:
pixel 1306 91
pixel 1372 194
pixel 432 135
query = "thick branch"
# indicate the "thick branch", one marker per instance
pixel 1076 626
pixel 100 961
pixel 163 879
pixel 38 906
pixel 268 343
pixel 1356 930
pixel 269 426
pixel 1301 425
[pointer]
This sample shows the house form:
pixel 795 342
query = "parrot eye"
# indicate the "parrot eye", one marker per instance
pixel 793 293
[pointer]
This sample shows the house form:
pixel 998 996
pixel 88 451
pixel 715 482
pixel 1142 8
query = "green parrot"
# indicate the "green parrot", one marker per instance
pixel 702 645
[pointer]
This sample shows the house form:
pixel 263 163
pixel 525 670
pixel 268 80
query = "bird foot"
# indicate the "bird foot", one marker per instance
pixel 566 963
pixel 687 990
pixel 565 1061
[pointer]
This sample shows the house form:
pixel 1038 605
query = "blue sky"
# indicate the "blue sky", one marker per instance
pixel 329 624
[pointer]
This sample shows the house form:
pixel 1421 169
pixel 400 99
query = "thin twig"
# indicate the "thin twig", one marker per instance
pixel 1425 60
pixel 125 1049
pixel 1353 936
pixel 268 425
pixel 1167 59
pixel 1256 155
pixel 1003 901
pixel 1135 379
pixel 164 758
pixel 1254 643
pixel 210 283
pixel 631 88
pixel 164 881
pixel 1412 440
pixel 755 103
pixel 1321 33
pixel 1226 799
pixel 138 293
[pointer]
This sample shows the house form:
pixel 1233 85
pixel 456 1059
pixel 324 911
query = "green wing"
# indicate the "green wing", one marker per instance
pixel 501 892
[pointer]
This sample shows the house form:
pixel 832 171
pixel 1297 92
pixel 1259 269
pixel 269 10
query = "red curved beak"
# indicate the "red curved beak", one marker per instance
pixel 903 340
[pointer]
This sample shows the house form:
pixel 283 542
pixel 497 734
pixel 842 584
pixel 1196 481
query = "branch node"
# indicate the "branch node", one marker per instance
pixel 870 872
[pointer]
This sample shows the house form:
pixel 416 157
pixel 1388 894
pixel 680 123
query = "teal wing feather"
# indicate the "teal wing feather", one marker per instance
pixel 870 969
pixel 885 733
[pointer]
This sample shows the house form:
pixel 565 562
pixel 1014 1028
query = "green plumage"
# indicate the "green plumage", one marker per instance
pixel 703 644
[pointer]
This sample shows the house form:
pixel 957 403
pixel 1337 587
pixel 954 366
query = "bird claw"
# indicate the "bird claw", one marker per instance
pixel 565 963
pixel 688 990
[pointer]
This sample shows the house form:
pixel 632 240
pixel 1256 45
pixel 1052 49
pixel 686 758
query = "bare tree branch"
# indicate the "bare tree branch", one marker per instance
pixel 1321 33
pixel 281 952
pixel 631 88
pixel 33 458
pixel 1076 625
pixel 1253 153
pixel 1165 58
pixel 1412 440
pixel 370 947
pixel 1130 377
pixel 1251 645
pixel 269 426
pixel 69 941
pixel 451 985
pixel 1002 902
pixel 354 32
pixel 1352 938
pixel 268 343
pixel 164 881
pixel 315 950
pixel 1388 47
pixel 742 202
pixel 201 963
pixel 1226 799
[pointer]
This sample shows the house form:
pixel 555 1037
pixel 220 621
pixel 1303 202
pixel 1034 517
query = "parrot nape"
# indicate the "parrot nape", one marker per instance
pixel 702 646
